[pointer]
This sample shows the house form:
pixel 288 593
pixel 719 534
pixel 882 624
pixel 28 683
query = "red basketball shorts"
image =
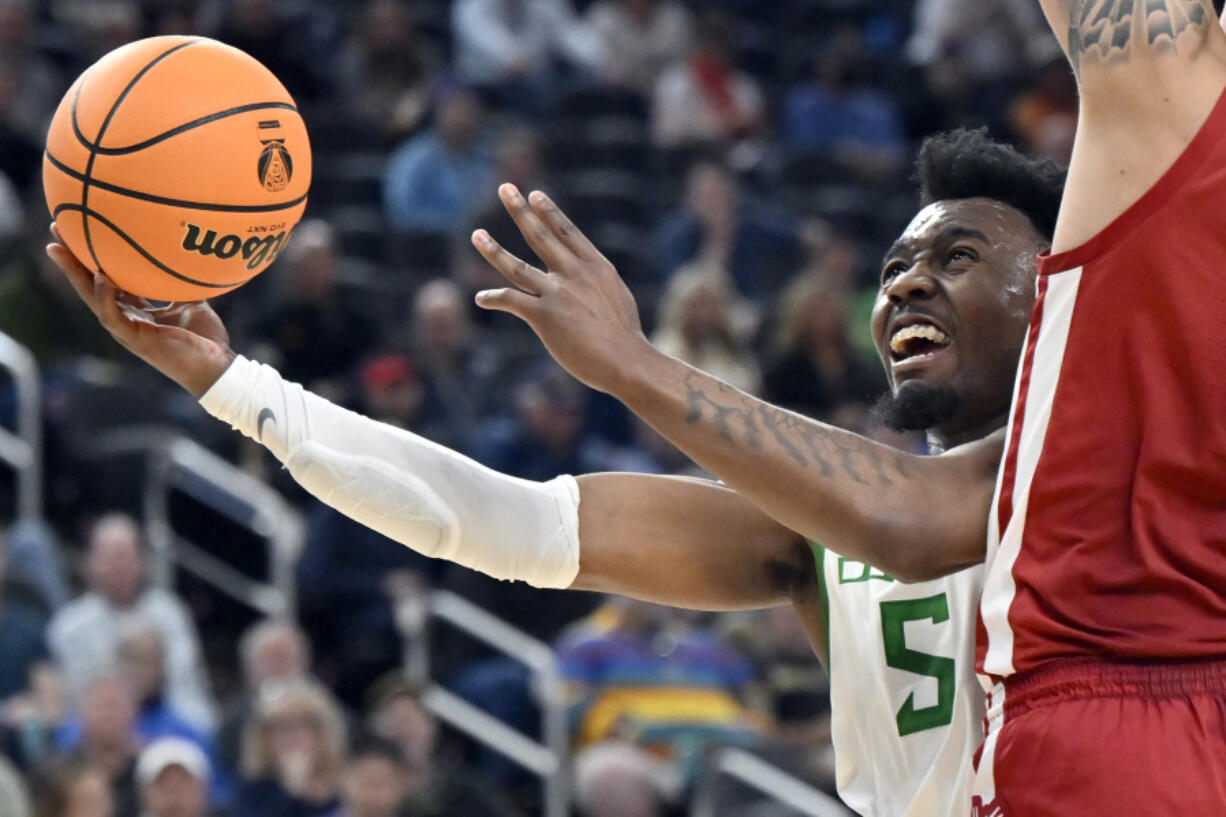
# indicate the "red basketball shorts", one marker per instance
pixel 1086 738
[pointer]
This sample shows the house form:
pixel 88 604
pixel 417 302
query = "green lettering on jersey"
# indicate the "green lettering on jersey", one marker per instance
pixel 894 614
pixel 851 571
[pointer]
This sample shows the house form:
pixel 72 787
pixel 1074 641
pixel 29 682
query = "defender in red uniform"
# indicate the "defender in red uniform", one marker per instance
pixel 1103 618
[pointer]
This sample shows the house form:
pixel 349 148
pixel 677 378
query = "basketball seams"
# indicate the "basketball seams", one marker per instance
pixel 187 205
pixel 195 123
pixel 152 259
pixel 93 153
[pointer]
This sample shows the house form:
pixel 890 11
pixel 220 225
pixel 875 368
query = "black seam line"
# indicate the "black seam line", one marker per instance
pixel 190 205
pixel 195 123
pixel 93 153
pixel 152 260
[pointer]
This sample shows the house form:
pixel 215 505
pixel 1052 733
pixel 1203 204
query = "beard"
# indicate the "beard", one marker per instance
pixel 916 406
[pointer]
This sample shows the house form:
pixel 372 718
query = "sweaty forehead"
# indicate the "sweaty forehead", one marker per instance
pixel 997 220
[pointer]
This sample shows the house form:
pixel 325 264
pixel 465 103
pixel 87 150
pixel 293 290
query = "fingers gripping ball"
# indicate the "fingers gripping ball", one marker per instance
pixel 177 165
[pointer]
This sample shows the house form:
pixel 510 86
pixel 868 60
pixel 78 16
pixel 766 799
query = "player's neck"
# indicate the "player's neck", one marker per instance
pixel 941 440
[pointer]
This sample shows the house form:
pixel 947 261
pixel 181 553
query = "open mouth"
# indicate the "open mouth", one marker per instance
pixel 917 341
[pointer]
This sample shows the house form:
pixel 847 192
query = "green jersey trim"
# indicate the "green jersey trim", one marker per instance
pixel 819 559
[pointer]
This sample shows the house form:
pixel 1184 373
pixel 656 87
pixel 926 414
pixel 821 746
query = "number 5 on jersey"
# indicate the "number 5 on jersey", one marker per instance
pixel 894 615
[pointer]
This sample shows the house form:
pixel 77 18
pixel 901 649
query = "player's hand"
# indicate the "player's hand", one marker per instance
pixel 580 307
pixel 187 342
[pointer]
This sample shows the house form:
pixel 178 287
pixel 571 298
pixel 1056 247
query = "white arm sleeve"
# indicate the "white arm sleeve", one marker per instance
pixel 409 489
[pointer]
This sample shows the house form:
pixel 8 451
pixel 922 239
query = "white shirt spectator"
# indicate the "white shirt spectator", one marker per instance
pixel 501 40
pixel 682 111
pixel 84 635
pixel 1009 35
pixel 634 52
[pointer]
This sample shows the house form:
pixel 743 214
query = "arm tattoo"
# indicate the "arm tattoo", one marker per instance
pixel 751 423
pixel 1106 30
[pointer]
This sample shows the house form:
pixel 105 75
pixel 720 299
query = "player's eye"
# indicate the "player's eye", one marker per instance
pixel 962 255
pixel 892 270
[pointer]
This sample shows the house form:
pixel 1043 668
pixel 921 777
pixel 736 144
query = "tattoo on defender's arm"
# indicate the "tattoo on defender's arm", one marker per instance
pixel 1106 30
pixel 755 425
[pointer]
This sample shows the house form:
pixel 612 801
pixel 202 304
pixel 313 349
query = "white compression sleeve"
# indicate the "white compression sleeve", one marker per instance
pixel 407 488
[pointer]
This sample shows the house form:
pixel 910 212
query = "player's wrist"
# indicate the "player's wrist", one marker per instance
pixel 200 380
pixel 635 368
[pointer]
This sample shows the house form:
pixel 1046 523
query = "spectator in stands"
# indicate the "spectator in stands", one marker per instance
pixel 548 433
pixel 434 180
pixel 406 743
pixel 374 783
pixel 1044 115
pixel 30 86
pixel 14 795
pixel 294 43
pixel 638 39
pixel 509 47
pixel 618 779
pixel 386 70
pixel 704 99
pixel 312 332
pixel 963 72
pixel 838 115
pixel 172 776
pixel 37 311
pixel 22 643
pixel 73 789
pixel 716 225
pixel 142 666
pixel 33 556
pixel 99 26
pixel 814 365
pixel 85 634
pixel 698 323
pixel 271 650
pixel 30 718
pixel 11 213
pixel 293 753
pixel 460 365
pixel 107 739
pixel 652 676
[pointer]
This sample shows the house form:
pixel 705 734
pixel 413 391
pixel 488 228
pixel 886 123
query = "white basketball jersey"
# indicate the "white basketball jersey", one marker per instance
pixel 907 706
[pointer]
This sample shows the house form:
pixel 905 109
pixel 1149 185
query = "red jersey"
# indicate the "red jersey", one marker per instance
pixel 1107 535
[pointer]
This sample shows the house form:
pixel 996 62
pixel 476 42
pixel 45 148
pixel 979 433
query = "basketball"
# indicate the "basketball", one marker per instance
pixel 178 166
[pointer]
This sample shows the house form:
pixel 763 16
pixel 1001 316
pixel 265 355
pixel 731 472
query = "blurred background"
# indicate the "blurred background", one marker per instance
pixel 184 632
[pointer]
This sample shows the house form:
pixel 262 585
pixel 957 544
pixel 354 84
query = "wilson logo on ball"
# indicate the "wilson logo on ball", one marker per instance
pixel 275 166
pixel 255 249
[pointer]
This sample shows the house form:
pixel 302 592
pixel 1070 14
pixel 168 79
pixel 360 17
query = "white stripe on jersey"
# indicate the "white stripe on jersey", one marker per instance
pixel 998 587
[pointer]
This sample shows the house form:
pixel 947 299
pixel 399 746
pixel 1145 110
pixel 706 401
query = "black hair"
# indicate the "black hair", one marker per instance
pixel 369 745
pixel 967 164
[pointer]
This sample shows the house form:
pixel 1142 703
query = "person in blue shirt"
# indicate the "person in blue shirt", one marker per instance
pixel 839 114
pixel 433 180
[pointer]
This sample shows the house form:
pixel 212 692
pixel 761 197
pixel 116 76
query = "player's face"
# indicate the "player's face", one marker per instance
pixel 956 294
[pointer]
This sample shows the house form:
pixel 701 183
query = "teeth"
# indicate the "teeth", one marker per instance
pixel 917 330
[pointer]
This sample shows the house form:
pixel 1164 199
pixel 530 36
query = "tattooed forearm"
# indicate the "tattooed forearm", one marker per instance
pixel 742 420
pixel 1108 31
pixel 697 402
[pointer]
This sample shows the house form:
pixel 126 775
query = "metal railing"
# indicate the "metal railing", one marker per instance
pixel 22 449
pixel 178 464
pixel 417 614
pixel 175 463
pixel 770 780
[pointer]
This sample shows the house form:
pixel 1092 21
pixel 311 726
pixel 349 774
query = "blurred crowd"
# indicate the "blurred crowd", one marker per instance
pixel 742 163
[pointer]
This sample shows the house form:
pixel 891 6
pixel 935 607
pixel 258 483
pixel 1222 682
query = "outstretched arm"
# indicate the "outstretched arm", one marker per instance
pixel 684 542
pixel 916 517
pixel 1149 72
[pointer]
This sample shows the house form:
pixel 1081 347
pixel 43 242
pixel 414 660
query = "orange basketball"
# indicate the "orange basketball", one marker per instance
pixel 178 166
